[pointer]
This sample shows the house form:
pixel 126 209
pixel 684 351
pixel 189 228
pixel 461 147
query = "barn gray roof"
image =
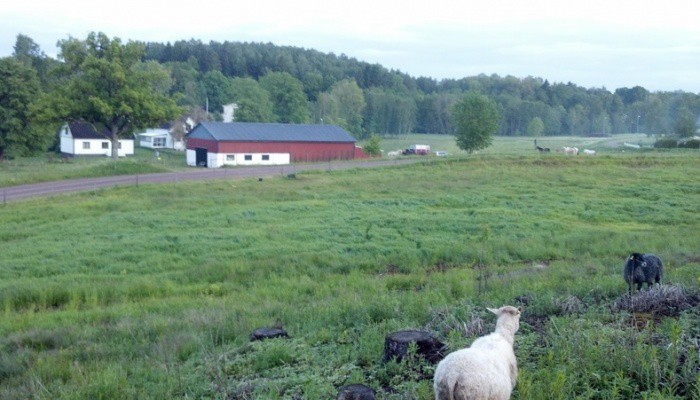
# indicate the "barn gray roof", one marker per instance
pixel 269 132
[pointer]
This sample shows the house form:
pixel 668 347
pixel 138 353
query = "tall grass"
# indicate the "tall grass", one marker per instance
pixel 153 291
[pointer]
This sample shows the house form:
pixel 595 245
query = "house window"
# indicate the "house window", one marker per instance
pixel 86 145
pixel 266 157
pixel 120 145
pixel 158 142
pixel 105 145
pixel 249 157
pixel 230 157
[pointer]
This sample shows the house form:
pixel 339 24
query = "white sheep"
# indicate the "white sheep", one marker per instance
pixel 571 150
pixel 487 370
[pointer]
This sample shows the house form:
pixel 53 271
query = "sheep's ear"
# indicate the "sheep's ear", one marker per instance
pixel 493 310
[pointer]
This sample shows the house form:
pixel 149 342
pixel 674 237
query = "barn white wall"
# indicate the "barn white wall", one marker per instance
pixel 218 160
pixel 191 158
pixel 255 159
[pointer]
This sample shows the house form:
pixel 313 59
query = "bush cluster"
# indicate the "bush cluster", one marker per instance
pixel 672 143
pixel 666 143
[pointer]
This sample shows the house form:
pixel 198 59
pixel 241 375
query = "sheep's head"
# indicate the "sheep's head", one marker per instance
pixel 510 310
pixel 637 260
pixel 508 317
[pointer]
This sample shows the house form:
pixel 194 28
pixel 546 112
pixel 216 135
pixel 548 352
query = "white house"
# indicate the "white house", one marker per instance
pixel 79 138
pixel 159 139
pixel 229 112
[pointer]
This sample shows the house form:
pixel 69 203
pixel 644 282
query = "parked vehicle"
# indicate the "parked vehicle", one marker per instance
pixel 422 149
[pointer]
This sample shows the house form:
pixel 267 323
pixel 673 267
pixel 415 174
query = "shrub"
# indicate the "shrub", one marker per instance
pixel 689 143
pixel 666 143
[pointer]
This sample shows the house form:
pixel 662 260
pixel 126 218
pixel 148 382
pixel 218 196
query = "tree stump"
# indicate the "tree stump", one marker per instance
pixel 268 333
pixel 355 392
pixel 396 346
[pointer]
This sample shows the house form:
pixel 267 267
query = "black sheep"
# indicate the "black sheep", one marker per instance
pixel 643 268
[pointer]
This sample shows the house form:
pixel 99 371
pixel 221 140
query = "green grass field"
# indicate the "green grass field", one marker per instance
pixel 153 291
pixel 51 166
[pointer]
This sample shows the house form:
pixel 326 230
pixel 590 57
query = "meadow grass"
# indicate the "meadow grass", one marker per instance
pixel 153 291
pixel 51 166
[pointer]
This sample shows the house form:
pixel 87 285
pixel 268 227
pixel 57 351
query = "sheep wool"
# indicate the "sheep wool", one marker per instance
pixel 488 369
pixel 642 268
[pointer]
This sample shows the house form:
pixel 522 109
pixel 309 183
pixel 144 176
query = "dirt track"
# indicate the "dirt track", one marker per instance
pixel 13 193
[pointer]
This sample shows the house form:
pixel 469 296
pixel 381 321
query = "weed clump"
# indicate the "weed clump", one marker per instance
pixel 661 301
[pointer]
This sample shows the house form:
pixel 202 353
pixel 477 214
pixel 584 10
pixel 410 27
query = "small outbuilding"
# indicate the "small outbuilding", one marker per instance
pixel 79 138
pixel 159 139
pixel 217 144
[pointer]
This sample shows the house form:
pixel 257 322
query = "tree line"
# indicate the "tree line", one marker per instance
pixel 271 83
pixel 397 103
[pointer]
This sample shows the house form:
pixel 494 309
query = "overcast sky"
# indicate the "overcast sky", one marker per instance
pixel 591 43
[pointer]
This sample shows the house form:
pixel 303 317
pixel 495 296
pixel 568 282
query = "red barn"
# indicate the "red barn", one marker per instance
pixel 216 144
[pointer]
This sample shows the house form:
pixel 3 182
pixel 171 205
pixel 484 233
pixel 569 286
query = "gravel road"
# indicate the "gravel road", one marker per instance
pixel 13 193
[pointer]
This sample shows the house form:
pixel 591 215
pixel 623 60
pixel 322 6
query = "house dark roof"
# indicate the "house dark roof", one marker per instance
pixel 84 130
pixel 268 132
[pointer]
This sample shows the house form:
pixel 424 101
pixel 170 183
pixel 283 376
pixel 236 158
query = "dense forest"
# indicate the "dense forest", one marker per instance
pixel 271 83
pixel 393 102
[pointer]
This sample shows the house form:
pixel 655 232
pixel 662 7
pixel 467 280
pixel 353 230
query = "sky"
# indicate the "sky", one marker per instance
pixel 591 43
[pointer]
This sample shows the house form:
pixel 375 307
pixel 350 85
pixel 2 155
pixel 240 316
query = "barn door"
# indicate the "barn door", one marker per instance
pixel 201 157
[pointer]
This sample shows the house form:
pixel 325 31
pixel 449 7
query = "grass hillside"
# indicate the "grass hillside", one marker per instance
pixel 153 291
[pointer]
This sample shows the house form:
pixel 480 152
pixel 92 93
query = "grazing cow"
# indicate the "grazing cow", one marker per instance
pixel 589 152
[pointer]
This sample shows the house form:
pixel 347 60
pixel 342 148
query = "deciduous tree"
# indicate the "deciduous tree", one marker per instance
pixel 287 95
pixel 476 120
pixel 535 127
pixel 373 147
pixel 19 88
pixel 351 104
pixel 106 86
pixel 685 125
pixel 253 101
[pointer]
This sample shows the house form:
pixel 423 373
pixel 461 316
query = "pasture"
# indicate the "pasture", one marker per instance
pixel 51 167
pixel 153 291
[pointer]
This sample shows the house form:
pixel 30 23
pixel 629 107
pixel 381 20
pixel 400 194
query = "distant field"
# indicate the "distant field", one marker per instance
pixel 51 167
pixel 520 145
pixel 152 292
